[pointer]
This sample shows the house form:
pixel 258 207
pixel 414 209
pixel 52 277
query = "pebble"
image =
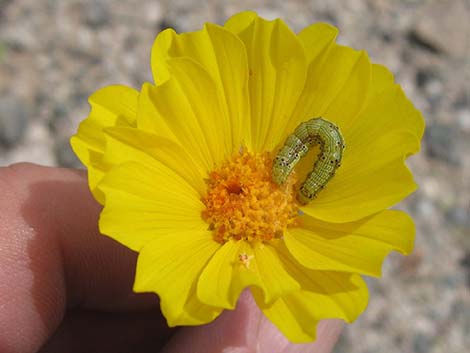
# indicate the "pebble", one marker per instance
pixel 421 41
pixel 166 23
pixel 65 155
pixel 430 85
pixel 442 27
pixel 463 119
pixel 153 12
pixel 421 343
pixel 3 50
pixel 441 143
pixel 426 77
pixel 462 108
pixel 459 216
pixel 97 14
pixel 465 264
pixel 14 117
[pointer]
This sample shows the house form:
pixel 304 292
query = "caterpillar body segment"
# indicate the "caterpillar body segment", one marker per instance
pixel 316 131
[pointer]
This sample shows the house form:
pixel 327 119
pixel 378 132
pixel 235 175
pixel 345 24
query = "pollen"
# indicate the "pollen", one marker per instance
pixel 245 260
pixel 243 203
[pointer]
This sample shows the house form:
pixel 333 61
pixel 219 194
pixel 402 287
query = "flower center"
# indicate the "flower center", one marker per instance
pixel 243 203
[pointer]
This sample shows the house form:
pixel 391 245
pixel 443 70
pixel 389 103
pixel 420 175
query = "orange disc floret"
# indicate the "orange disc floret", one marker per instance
pixel 242 202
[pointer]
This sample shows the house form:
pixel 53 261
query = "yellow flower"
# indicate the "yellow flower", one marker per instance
pixel 183 169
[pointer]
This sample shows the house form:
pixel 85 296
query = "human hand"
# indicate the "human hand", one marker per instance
pixel 66 288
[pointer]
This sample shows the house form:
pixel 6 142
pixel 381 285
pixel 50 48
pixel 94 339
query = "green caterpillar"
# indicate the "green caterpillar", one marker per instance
pixel 316 131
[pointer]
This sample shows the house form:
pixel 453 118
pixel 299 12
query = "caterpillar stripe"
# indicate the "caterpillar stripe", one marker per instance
pixel 316 131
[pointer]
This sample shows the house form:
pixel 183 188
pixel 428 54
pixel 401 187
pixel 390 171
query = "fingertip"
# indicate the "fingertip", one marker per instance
pixel 328 332
pixel 247 330
pixel 232 332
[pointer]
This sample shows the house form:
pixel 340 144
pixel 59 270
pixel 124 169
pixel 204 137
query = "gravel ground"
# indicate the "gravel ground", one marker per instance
pixel 53 54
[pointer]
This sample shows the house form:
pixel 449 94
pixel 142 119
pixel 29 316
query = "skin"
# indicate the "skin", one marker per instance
pixel 66 288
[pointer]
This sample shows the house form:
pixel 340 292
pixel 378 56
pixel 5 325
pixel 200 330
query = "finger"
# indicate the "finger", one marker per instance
pixel 92 331
pixel 328 332
pixel 52 255
pixel 247 330
pixel 231 330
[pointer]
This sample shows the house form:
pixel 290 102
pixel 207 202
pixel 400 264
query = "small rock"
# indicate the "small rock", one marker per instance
pixel 457 309
pixel 422 343
pixel 386 36
pixel 14 116
pixel 97 14
pixel 3 51
pixel 65 155
pixel 3 5
pixel 421 41
pixel 164 24
pixel 462 106
pixel 437 28
pixel 410 264
pixel 344 342
pixel 428 81
pixel 153 12
pixel 441 143
pixel 424 76
pixel 462 101
pixel 459 216
pixel 327 16
pixel 59 113
pixel 450 281
pixel 463 118
pixel 372 284
pixel 426 208
pixel 269 13
pixel 465 263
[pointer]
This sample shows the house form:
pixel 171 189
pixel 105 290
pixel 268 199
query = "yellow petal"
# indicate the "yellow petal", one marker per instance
pixel 232 65
pixel 239 264
pixel 323 295
pixel 201 93
pixel 130 144
pixel 381 78
pixel 297 315
pixel 319 43
pixel 352 247
pixel 159 54
pixel 148 117
pixel 278 68
pixel 189 106
pixel 144 202
pixel 342 97
pixel 316 39
pixel 223 57
pixel 170 266
pixel 291 318
pixel 387 109
pixel 240 21
pixel 372 176
pixel 94 162
pixel 149 120
pixel 221 270
pixel 110 106
pixel 273 274
pixel 336 87
pixel 350 100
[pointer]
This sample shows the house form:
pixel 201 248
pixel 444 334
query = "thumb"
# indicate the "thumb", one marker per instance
pixel 247 330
